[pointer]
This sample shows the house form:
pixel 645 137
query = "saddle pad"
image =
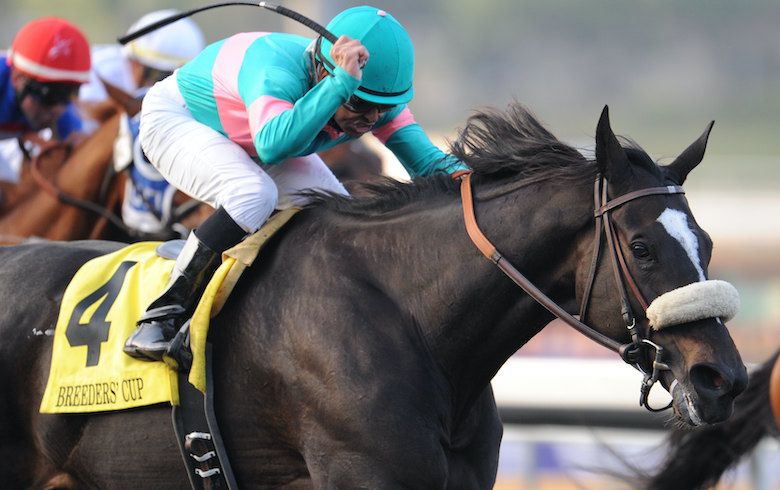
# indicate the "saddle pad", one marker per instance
pixel 89 372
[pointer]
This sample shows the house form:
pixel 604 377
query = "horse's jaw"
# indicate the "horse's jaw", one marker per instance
pixel 703 392
pixel 683 405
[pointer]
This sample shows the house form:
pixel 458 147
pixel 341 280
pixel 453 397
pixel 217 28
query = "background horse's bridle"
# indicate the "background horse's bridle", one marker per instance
pixel 631 353
pixel 65 198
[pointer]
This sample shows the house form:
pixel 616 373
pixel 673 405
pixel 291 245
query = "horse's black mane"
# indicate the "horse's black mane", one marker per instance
pixel 495 145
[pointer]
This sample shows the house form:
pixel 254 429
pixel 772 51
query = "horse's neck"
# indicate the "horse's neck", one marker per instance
pixel 81 175
pixel 471 315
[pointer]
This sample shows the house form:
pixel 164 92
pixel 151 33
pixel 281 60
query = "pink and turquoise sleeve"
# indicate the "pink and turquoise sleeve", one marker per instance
pixel 412 146
pixel 282 129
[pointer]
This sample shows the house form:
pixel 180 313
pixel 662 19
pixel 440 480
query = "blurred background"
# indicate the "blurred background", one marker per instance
pixel 666 68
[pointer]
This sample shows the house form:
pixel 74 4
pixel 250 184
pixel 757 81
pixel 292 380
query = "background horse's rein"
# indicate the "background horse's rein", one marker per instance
pixel 65 198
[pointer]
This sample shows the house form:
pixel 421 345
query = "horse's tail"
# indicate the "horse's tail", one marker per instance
pixel 698 458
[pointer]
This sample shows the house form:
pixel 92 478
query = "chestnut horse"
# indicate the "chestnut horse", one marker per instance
pixel 71 193
pixel 32 207
pixel 358 350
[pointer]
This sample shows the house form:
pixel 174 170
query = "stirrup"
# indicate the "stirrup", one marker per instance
pixel 178 355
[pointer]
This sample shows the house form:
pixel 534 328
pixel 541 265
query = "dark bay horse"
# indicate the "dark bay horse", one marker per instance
pixel 698 459
pixel 358 350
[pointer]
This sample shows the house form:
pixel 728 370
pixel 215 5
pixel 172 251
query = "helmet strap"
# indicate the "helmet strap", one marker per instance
pixel 320 57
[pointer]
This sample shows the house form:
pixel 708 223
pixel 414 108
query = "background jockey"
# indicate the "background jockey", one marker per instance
pixel 136 66
pixel 239 127
pixel 39 78
pixel 132 69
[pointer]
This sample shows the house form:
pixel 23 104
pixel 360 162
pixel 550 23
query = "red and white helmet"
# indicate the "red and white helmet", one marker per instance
pixel 51 49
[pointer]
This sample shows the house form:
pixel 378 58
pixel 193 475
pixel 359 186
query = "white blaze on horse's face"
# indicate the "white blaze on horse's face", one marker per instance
pixel 675 222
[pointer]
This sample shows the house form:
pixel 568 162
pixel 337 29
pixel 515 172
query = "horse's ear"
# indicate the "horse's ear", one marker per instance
pixel 678 170
pixel 612 160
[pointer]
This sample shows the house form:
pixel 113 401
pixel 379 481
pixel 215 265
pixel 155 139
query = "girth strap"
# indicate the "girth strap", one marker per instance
pixel 198 436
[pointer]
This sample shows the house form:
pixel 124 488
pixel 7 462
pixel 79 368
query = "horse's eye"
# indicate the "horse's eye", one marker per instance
pixel 640 251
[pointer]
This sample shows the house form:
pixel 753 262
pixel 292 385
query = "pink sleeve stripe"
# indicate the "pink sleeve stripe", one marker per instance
pixel 231 109
pixel 265 108
pixel 405 118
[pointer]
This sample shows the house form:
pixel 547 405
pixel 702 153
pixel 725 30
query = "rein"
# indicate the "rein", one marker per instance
pixel 630 353
pixel 65 198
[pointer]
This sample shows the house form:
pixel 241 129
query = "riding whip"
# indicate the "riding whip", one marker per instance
pixel 267 5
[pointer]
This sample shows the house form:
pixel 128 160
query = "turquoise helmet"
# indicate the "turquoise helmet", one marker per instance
pixel 387 77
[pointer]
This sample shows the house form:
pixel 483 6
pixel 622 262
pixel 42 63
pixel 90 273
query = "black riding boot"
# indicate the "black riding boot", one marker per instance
pixel 196 263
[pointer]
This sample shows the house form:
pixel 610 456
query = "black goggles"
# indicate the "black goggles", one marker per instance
pixel 50 94
pixel 153 74
pixel 361 106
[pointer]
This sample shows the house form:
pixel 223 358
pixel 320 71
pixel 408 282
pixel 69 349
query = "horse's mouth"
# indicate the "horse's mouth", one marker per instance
pixel 684 405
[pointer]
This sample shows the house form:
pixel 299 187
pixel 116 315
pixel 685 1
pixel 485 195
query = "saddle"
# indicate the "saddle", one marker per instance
pixel 90 373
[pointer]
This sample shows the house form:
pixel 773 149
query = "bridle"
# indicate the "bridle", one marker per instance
pixel 105 210
pixel 631 353
pixel 65 198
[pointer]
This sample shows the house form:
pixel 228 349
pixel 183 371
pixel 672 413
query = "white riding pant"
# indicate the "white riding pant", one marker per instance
pixel 207 166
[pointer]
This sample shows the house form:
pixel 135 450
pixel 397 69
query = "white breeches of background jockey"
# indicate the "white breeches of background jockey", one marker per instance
pixel 206 165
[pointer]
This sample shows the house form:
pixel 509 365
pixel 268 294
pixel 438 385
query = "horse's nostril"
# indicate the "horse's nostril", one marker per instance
pixel 708 378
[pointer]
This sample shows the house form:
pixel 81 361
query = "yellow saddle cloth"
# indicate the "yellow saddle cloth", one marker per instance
pixel 89 372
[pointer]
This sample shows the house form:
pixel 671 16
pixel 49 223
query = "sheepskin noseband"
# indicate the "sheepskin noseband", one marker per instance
pixel 696 301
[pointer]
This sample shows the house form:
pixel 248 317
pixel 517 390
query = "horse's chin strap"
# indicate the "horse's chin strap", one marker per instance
pixel 630 353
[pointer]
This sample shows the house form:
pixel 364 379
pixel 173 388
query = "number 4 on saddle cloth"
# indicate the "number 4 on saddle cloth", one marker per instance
pixel 89 372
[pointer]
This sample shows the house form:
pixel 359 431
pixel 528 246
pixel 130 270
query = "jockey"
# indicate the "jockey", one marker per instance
pixel 39 78
pixel 239 127
pixel 132 69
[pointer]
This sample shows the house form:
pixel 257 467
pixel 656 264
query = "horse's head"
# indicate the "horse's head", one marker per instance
pixel 652 273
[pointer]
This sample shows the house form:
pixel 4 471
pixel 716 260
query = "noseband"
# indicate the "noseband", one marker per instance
pixel 631 353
